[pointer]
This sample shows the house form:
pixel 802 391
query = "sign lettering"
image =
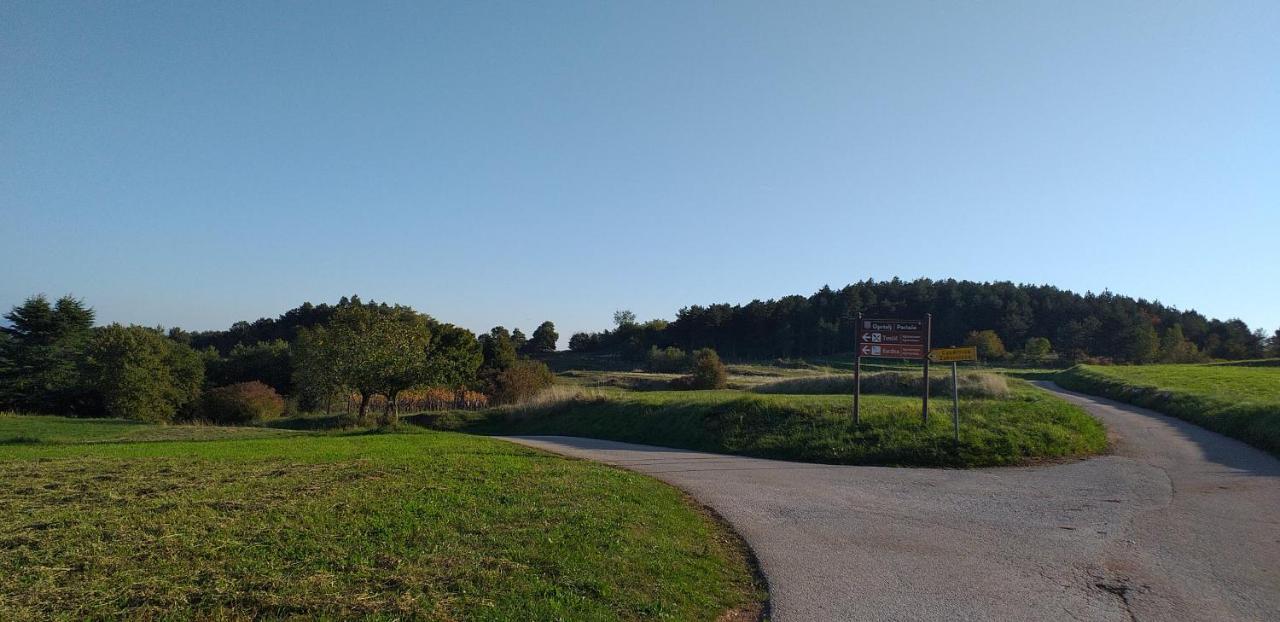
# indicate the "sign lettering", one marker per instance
pixel 952 355
pixel 899 339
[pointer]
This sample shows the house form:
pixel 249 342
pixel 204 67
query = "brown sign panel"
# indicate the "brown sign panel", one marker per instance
pixel 896 326
pixel 899 339
pixel 889 337
pixel 891 350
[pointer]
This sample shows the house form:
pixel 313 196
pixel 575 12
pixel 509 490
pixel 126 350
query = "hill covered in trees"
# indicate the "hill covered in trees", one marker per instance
pixel 1105 325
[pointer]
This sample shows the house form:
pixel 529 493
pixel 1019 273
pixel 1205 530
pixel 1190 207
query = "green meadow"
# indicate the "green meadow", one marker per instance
pixel 1024 424
pixel 1242 401
pixel 108 519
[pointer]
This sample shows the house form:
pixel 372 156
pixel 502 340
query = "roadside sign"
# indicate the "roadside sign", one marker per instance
pixel 951 355
pixel 892 339
pixel 899 339
pixel 892 351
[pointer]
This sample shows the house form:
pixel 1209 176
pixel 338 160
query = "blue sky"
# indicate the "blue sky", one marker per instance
pixel 506 163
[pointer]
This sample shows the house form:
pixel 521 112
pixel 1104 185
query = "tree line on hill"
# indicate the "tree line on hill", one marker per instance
pixel 1036 319
pixel 54 360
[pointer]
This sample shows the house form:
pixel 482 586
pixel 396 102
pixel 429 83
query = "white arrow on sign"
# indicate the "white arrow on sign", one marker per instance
pixel 866 350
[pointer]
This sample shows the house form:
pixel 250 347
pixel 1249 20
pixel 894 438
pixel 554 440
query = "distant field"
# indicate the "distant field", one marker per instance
pixel 1237 400
pixel 1027 425
pixel 18 429
pixel 383 526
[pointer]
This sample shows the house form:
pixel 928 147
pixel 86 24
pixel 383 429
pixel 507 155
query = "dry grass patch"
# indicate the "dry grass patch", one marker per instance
pixel 972 384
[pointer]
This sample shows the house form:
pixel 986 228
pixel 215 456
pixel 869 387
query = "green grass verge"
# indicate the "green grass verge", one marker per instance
pixel 393 526
pixel 50 429
pixel 1239 401
pixel 1028 425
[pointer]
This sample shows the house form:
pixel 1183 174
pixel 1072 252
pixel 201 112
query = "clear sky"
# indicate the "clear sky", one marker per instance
pixel 194 164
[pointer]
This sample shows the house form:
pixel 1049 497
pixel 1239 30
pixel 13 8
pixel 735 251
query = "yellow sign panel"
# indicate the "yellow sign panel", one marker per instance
pixel 952 355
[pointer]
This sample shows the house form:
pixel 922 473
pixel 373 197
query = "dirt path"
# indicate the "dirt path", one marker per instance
pixel 1178 524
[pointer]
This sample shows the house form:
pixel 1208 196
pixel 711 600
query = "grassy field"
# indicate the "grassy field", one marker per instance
pixel 1236 400
pixel 17 429
pixel 382 526
pixel 1026 425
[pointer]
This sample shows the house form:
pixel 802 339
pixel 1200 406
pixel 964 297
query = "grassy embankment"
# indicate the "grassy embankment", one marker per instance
pixel 422 525
pixel 1024 424
pixel 1241 401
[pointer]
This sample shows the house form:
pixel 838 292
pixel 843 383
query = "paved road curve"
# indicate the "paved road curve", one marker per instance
pixel 1178 524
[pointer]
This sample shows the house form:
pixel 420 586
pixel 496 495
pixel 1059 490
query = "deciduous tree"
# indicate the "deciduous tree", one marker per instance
pixel 989 344
pixel 138 373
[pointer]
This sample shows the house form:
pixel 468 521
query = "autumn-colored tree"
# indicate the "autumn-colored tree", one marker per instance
pixel 989 345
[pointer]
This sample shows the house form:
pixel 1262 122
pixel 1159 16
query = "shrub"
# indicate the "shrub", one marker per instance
pixel 1037 347
pixel 708 372
pixel 243 402
pixel 519 382
pixel 669 360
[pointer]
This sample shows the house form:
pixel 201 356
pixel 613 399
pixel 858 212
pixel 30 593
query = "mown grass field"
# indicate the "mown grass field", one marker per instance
pixel 1236 400
pixel 95 524
pixel 1026 425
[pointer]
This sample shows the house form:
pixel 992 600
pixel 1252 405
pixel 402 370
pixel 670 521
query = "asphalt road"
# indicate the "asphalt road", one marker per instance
pixel 1179 523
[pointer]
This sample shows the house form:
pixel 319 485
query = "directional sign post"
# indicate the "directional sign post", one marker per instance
pixel 953 356
pixel 892 339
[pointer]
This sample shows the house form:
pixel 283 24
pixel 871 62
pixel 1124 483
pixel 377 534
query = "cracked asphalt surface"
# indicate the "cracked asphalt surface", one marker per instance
pixel 1178 523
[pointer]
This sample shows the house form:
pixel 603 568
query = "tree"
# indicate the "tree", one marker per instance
pixel 544 338
pixel 623 318
pixel 1037 347
pixel 138 373
pixel 379 350
pixel 1275 344
pixel 383 350
pixel 498 350
pixel 1176 348
pixel 315 374
pixel 452 358
pixel 1140 343
pixel 518 340
pixel 584 342
pixel 989 345
pixel 40 358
